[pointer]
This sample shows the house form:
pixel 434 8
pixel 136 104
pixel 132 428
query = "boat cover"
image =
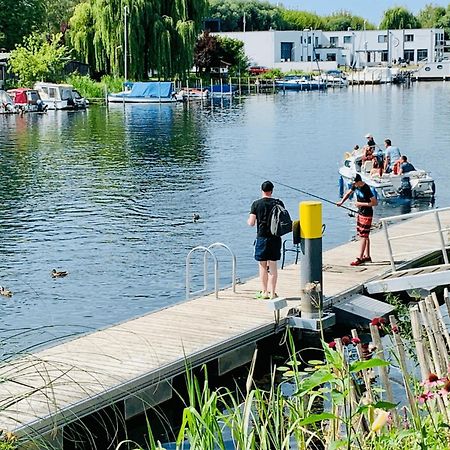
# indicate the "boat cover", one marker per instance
pixel 151 89
pixel 5 98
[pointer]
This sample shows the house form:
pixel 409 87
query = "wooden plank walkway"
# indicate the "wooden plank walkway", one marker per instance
pixel 44 390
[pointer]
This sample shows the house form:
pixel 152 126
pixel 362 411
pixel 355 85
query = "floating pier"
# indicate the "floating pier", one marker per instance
pixel 132 364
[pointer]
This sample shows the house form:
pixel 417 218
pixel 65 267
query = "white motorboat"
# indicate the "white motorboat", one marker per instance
pixel 416 184
pixel 303 83
pixel 192 94
pixel 60 96
pixel 333 78
pixel 7 105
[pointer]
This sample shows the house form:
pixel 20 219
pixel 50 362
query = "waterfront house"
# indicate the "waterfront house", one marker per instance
pixel 288 50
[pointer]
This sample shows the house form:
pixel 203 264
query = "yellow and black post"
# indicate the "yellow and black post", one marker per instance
pixel 311 266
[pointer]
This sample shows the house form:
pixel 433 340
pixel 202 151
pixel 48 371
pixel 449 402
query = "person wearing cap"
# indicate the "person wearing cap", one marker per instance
pixel 267 246
pixel 365 201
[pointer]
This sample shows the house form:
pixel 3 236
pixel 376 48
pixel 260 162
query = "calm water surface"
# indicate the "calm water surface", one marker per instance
pixel 109 194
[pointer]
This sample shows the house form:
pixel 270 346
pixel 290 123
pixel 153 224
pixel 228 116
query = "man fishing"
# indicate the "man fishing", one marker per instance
pixel 365 201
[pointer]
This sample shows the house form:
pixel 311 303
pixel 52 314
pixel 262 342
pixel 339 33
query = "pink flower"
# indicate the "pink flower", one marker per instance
pixel 432 381
pixel 332 344
pixel 395 329
pixel 445 388
pixel 378 321
pixel 346 340
pixel 425 397
pixel 356 340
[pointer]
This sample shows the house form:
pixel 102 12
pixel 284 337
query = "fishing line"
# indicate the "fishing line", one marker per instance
pixel 353 211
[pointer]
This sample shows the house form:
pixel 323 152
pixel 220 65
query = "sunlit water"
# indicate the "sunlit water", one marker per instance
pixel 108 195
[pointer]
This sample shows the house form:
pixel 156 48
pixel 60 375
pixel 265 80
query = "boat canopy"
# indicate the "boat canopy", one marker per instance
pixel 5 98
pixel 151 89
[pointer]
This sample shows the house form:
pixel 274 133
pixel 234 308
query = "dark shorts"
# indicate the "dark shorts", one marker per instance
pixel 268 248
pixel 363 224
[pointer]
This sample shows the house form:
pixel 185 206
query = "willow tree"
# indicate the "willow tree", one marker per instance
pixel 161 35
pixel 397 18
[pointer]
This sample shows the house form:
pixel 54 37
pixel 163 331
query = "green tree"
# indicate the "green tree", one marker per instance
pixel 299 20
pixel 58 13
pixel 232 54
pixel 218 51
pixel 18 18
pixel 343 20
pixel 430 15
pixel 38 59
pixel 161 35
pixel 398 18
pixel 259 16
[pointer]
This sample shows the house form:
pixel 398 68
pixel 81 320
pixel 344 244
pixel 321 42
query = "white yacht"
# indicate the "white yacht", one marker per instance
pixel 60 96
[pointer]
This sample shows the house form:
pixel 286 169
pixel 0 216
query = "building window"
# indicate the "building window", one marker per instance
pixel 408 55
pixel 334 41
pixel 384 56
pixel 382 38
pixel 422 54
pixel 331 56
pixel 287 51
pixel 309 39
pixel 347 39
pixel 409 38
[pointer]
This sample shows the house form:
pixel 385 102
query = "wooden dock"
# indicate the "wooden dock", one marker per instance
pixel 135 361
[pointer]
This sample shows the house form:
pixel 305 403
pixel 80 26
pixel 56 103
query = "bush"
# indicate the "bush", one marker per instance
pixel 93 89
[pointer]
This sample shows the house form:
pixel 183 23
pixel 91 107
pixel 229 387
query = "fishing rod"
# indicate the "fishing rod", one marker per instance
pixel 353 211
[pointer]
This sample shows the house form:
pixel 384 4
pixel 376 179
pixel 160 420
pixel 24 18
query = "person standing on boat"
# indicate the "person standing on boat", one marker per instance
pixel 267 246
pixel 377 154
pixel 365 201
pixel 391 156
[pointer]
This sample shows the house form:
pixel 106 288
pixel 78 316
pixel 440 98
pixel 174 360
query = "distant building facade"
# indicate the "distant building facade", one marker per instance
pixel 295 49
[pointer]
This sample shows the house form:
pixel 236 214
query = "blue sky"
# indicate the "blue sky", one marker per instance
pixel 372 10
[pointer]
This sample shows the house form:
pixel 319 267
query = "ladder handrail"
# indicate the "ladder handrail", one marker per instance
pixel 233 261
pixel 206 250
pixel 385 221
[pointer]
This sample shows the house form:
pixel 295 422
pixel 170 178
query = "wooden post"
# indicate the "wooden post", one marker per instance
pixel 379 353
pixel 434 351
pixel 403 367
pixel 419 341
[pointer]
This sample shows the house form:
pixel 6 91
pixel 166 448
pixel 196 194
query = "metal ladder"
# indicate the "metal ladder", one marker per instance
pixel 209 251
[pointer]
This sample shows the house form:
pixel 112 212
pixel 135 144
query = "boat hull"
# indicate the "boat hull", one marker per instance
pixel 390 187
pixel 142 100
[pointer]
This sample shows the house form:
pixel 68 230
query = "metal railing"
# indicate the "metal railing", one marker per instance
pixel 209 251
pixel 438 230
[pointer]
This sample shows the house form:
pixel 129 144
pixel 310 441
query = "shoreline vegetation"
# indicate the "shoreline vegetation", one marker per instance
pixel 344 399
pixel 160 39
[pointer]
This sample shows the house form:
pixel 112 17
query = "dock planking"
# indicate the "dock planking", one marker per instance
pixel 52 387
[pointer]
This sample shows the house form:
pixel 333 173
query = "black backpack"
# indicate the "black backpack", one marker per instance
pixel 280 222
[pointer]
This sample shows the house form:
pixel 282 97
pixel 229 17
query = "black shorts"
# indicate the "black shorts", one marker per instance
pixel 268 248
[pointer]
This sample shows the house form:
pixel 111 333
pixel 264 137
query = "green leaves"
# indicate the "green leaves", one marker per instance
pixel 357 366
pixel 38 59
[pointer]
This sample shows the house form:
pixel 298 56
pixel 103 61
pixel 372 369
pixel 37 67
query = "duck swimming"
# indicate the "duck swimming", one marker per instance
pixel 5 292
pixel 59 273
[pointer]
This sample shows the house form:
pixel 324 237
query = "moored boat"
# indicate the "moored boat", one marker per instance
pixel 333 78
pixel 416 184
pixel 7 104
pixel 60 96
pixel 27 100
pixel 192 93
pixel 301 84
pixel 146 92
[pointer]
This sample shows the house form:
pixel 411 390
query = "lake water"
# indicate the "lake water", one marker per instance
pixel 108 194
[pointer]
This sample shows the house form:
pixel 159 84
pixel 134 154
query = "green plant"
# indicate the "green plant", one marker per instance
pixel 38 59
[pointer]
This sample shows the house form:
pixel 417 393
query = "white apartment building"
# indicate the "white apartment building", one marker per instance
pixel 300 49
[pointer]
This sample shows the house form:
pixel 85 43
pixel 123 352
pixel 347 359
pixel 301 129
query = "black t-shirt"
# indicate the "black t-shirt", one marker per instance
pixel 261 209
pixel 364 194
